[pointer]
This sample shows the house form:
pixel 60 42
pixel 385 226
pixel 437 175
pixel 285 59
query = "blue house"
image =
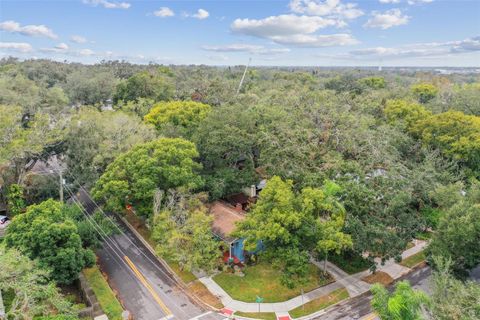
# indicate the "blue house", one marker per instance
pixel 225 217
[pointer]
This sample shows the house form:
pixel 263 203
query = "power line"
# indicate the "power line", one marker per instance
pixel 169 277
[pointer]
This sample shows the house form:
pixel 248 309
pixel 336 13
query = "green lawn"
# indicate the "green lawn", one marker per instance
pixel 264 280
pixel 320 303
pixel 413 260
pixel 257 315
pixel 107 300
pixel 350 262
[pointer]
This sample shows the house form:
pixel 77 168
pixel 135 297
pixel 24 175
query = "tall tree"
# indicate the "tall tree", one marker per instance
pixel 289 223
pixel 34 294
pixel 182 230
pixel 156 85
pixel 184 116
pixel 94 139
pixel 25 139
pixel 135 175
pixel 453 299
pixel 46 233
pixel 458 232
pixel 424 92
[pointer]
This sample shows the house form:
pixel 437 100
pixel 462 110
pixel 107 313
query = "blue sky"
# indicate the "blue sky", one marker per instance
pixel 224 32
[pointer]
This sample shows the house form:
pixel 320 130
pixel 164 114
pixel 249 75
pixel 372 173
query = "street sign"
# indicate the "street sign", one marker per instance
pixel 259 300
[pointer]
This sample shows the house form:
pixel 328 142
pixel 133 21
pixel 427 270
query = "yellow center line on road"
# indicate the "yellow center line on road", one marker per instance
pixel 148 286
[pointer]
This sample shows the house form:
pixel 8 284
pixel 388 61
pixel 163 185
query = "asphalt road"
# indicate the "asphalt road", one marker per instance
pixel 358 307
pixel 145 288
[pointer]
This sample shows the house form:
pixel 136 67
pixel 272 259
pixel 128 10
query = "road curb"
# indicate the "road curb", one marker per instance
pixel 176 278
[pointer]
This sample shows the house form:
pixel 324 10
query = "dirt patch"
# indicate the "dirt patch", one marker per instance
pixel 378 277
pixel 199 290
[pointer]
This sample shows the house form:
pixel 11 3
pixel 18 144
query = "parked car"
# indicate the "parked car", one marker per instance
pixel 3 219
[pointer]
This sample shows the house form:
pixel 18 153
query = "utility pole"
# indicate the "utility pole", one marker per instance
pixel 243 76
pixel 61 185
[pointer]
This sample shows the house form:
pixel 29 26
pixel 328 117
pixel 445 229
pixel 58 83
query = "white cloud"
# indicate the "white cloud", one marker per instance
pixel 217 57
pixel 164 12
pixel 108 4
pixel 250 48
pixel 413 2
pixel 16 46
pixel 28 30
pixel 388 19
pixel 78 39
pixel 281 25
pixel 62 46
pixel 317 41
pixel 389 1
pixel 293 30
pixel 329 8
pixel 86 52
pixel 418 49
pixel 201 14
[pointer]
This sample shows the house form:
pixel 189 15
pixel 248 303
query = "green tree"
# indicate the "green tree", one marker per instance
pixel 454 133
pixel 15 199
pixel 226 141
pixel 135 175
pixel 453 299
pixel 466 98
pixel 288 224
pixel 424 92
pixel 90 87
pixel 458 233
pixel 185 115
pixel 46 233
pixel 140 106
pixel 405 113
pixel 94 139
pixel 403 304
pixel 373 82
pixel 155 85
pixel 329 215
pixel 182 230
pixel 34 294
pixel 25 140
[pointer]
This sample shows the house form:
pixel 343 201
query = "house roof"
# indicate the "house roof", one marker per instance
pixel 224 219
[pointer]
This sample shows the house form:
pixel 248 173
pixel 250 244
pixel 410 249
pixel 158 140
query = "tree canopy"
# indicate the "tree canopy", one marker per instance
pixel 185 115
pixel 45 232
pixel 133 177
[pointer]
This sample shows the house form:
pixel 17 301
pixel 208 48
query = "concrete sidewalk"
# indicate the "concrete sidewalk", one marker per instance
pixel 353 283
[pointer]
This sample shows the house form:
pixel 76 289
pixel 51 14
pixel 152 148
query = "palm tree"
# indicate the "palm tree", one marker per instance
pixel 403 304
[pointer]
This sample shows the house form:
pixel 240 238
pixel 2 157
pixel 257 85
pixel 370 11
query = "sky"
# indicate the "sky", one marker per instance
pixel 227 32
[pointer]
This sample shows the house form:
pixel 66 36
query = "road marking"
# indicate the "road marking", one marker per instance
pixel 170 316
pixel 149 288
pixel 199 316
pixel 370 316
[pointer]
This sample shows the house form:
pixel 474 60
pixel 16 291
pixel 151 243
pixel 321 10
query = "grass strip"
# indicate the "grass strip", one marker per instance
pixel 257 315
pixel 413 260
pixel 105 296
pixel 320 303
pixel 204 294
